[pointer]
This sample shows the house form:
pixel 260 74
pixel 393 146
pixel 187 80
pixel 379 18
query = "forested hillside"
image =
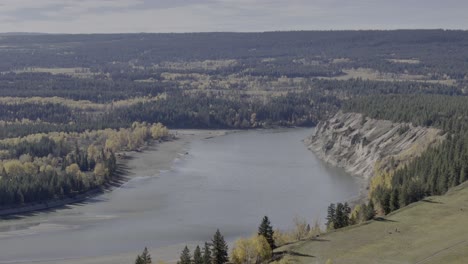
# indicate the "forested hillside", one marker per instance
pixel 437 169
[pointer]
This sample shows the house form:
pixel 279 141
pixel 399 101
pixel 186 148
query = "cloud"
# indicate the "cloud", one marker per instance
pixel 108 16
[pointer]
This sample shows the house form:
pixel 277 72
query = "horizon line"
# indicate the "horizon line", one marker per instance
pixel 232 32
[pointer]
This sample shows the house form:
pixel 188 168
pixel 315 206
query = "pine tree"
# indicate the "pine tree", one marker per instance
pixel 442 185
pixel 403 196
pixel 462 175
pixel 347 212
pixel 331 216
pixel 139 260
pixel 185 257
pixel 341 216
pixel 197 256
pixel 207 254
pixel 394 203
pixel 386 197
pixel 144 258
pixel 266 230
pixel 220 249
pixel 370 211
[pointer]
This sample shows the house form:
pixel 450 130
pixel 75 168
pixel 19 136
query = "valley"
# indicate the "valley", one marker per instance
pixel 336 136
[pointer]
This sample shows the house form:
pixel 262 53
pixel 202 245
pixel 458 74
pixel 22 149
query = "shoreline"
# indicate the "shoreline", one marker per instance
pixel 362 181
pixel 170 150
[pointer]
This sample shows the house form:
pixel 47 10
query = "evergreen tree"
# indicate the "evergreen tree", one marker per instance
pixel 185 257
pixel 386 197
pixel 331 216
pixel 144 258
pixel 462 175
pixel 207 254
pixel 347 211
pixel 394 203
pixel 403 197
pixel 197 256
pixel 338 221
pixel 370 211
pixel 341 215
pixel 266 230
pixel 220 249
pixel 139 260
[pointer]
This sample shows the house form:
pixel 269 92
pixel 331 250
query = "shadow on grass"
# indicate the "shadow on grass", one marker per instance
pixel 381 219
pixel 319 240
pixel 431 201
pixel 297 254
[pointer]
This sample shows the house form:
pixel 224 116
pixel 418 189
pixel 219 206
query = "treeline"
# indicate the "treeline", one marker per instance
pixel 449 113
pixel 359 87
pixel 178 110
pixel 24 127
pixel 43 167
pixel 53 113
pixel 201 111
pixel 96 88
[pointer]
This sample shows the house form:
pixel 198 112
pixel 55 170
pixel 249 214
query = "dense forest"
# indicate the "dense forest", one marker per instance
pixel 363 48
pixel 312 101
pixel 42 167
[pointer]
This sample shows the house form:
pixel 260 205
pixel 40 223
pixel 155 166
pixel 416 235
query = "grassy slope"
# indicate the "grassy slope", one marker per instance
pixel 431 231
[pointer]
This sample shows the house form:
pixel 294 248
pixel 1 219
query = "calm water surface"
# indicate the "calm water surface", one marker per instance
pixel 229 182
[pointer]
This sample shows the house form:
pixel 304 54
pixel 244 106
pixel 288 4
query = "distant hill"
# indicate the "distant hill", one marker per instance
pixel 421 52
pixel 22 34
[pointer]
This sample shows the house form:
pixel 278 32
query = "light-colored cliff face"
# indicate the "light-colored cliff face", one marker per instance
pixel 360 145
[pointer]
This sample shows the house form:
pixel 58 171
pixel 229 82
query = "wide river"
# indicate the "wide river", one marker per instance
pixel 228 182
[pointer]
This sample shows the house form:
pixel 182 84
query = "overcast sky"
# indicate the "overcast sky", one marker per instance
pixel 110 16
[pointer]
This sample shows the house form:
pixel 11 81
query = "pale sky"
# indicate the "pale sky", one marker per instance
pixel 114 16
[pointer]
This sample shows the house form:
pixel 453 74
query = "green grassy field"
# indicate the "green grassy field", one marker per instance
pixel 431 231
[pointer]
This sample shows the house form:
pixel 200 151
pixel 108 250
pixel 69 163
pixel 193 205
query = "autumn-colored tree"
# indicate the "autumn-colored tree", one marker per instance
pixel 300 228
pixel 159 131
pixel 252 250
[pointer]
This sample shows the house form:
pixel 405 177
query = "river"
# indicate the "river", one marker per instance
pixel 228 182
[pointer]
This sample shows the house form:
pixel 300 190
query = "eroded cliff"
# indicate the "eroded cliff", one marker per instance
pixel 363 145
